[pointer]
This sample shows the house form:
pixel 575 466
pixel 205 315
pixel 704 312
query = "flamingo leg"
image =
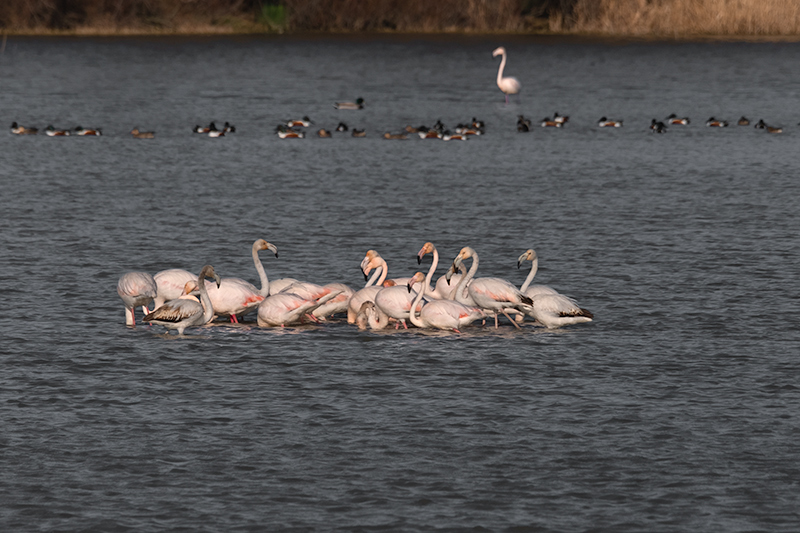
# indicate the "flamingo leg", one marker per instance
pixel 312 317
pixel 133 316
pixel 506 98
pixel 512 320
pixel 234 320
pixel 403 320
pixel 456 330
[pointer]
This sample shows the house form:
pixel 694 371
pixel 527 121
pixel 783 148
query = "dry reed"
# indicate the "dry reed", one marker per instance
pixel 681 17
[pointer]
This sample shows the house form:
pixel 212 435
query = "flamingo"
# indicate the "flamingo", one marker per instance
pixel 136 289
pixel 495 294
pixel 395 302
pixel 285 308
pixel 508 85
pixel 182 313
pixel 170 284
pixel 556 310
pixel 235 296
pixel 372 260
pixel 528 289
pixel 441 314
pixel 337 304
pixel 443 288
pixel 369 316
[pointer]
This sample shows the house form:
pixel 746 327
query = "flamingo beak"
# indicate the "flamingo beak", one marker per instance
pixel 216 278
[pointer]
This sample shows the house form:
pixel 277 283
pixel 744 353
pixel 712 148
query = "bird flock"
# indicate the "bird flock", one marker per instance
pixel 182 299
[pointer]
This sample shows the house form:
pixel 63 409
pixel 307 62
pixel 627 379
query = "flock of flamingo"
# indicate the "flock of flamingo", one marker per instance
pixel 182 299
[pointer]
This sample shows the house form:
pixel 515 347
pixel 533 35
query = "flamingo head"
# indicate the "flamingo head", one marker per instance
pixel 529 255
pixel 449 274
pixel 419 277
pixel 261 244
pixel 208 272
pixel 371 260
pixel 389 283
pixel 427 248
pixel 498 51
pixel 465 253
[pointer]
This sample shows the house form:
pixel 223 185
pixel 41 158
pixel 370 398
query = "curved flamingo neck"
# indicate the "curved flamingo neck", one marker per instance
pixel 384 271
pixel 412 314
pixel 531 274
pixel 500 70
pixel 374 277
pixel 262 274
pixel 205 301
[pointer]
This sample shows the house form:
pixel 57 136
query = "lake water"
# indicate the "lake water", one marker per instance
pixel 675 410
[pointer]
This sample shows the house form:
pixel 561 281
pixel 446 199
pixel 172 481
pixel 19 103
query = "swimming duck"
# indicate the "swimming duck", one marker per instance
pixel 229 128
pixel 395 136
pixel 341 127
pixel 142 134
pixel 439 126
pixel 743 121
pixel 52 132
pixel 412 129
pixel 673 119
pixel 87 131
pixel 449 136
pixel 547 123
pixel 608 123
pixel 714 123
pixel 429 134
pixel 760 125
pixel 559 118
pixel 201 129
pixel 770 129
pixel 478 124
pixel 304 122
pixel 658 127
pixel 324 133
pixel 466 130
pixel 214 133
pixel 359 133
pixel 358 104
pixel 285 133
pixel 16 129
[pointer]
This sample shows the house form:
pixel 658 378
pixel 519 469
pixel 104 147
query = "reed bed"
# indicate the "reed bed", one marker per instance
pixel 639 18
pixel 680 17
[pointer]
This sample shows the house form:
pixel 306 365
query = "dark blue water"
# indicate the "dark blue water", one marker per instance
pixel 675 410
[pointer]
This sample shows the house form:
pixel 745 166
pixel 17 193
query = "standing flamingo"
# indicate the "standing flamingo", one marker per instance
pixel 170 284
pixel 372 260
pixel 441 314
pixel 508 85
pixel 235 296
pixel 136 289
pixel 528 289
pixel 285 308
pixel 337 304
pixel 495 294
pixel 182 313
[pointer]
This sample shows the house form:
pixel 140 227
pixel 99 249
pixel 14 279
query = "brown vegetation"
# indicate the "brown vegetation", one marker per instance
pixel 609 17
pixel 680 17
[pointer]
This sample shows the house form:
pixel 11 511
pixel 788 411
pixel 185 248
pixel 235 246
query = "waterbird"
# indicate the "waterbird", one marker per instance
pixel 142 134
pixel 674 119
pixel 182 313
pixel 358 104
pixel 303 122
pixel 359 133
pixel 52 132
pixel 743 121
pixel 323 133
pixel 87 131
pixel 395 136
pixel 341 127
pixel 16 129
pixel 714 123
pixel 609 123
pixel 547 123
pixel 137 289
pixel 508 85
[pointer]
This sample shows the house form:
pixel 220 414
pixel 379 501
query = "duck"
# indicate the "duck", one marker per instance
pixel 52 132
pixel 285 133
pixel 304 122
pixel 395 136
pixel 547 123
pixel 201 129
pixel 478 124
pixel 429 134
pixel 658 127
pixel 523 124
pixel 214 133
pixel 358 104
pixel 342 127
pixel 229 128
pixel 770 129
pixel 760 125
pixel 359 133
pixel 673 119
pixel 439 126
pixel 412 129
pixel 714 123
pixel 559 118
pixel 743 121
pixel 16 129
pixel 324 133
pixel 449 136
pixel 142 134
pixel 87 131
pixel 609 123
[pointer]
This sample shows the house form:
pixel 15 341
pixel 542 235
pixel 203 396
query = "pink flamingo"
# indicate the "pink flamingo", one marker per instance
pixel 136 289
pixel 170 284
pixel 508 85
pixel 369 316
pixel 494 294
pixel 284 309
pixel 235 296
pixel 441 314
pixel 372 260
pixel 182 313
pixel 528 289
